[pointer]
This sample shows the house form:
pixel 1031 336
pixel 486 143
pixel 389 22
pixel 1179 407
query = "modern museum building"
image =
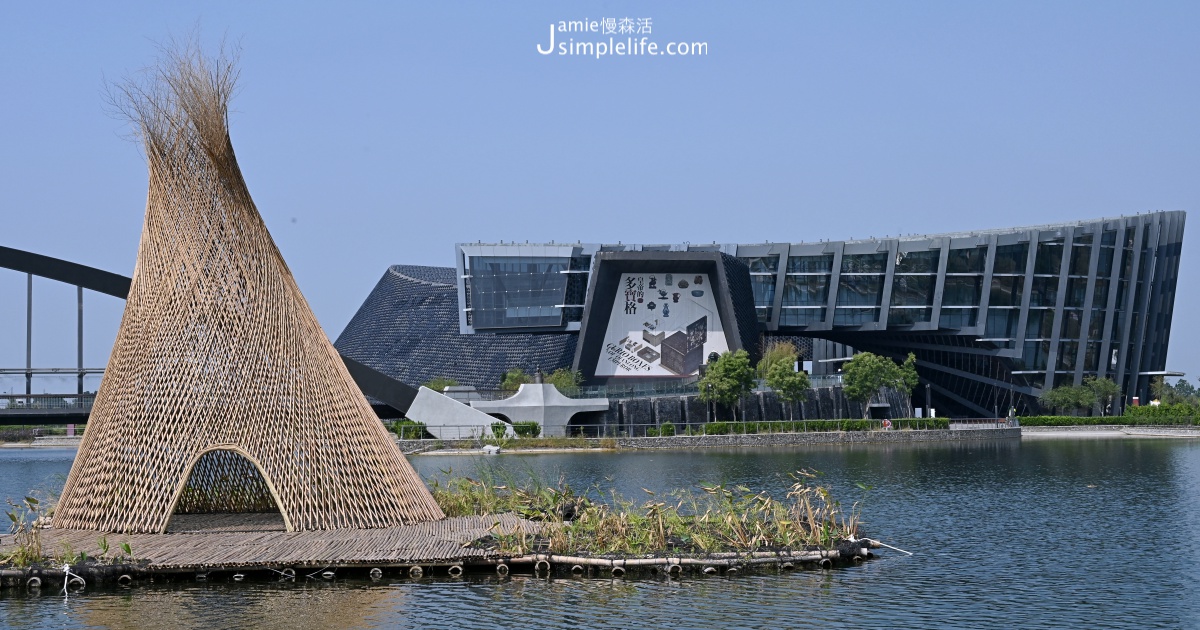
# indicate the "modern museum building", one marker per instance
pixel 995 317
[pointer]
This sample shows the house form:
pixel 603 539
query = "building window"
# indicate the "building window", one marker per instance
pixel 1049 258
pixel 918 262
pixel 801 316
pixel 966 260
pixel 810 264
pixel 1010 259
pixel 962 291
pixel 864 263
pixel 514 292
pixel 762 264
pixel 805 290
pixel 860 290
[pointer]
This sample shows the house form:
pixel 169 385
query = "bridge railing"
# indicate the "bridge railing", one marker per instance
pixel 48 402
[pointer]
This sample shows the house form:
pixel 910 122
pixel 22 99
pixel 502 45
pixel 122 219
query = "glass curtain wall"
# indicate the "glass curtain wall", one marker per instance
pixel 913 287
pixel 860 289
pixel 516 292
pixel 806 290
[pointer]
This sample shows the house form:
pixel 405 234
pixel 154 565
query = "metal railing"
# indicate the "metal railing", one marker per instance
pixel 636 390
pixel 983 423
pixel 45 402
pixel 483 435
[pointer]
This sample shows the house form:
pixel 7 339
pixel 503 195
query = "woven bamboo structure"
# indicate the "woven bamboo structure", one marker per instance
pixel 222 393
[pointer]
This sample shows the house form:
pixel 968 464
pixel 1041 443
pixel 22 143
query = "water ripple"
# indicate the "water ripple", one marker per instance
pixel 1049 534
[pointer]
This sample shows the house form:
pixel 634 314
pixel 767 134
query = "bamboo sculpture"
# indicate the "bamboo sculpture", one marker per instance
pixel 222 393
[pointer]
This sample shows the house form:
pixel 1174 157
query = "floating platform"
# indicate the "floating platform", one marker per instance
pixel 229 546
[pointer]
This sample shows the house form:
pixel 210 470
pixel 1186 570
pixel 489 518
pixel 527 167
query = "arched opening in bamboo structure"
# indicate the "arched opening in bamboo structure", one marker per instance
pixel 226 480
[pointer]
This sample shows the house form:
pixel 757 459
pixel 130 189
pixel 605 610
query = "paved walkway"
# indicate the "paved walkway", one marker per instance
pixel 1099 432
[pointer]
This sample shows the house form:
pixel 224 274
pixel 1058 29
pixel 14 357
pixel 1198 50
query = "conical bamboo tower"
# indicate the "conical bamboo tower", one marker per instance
pixel 222 393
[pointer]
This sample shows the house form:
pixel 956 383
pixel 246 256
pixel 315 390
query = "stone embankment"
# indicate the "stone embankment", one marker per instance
pixel 817 437
pixel 760 439
pixel 52 441
pixel 1112 430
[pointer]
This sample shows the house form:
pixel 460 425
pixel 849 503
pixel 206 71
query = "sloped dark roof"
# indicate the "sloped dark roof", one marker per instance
pixel 432 275
pixel 408 329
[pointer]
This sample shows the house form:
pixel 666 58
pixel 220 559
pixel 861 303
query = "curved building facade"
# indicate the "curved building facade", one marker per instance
pixel 408 329
pixel 995 317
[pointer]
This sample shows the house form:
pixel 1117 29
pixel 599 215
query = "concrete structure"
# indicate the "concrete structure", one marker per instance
pixel 541 403
pixel 448 419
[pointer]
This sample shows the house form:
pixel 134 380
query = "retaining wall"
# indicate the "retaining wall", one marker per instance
pixel 632 416
pixel 817 437
pixel 769 439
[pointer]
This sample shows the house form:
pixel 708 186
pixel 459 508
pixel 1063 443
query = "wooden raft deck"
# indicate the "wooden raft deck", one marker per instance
pixel 197 542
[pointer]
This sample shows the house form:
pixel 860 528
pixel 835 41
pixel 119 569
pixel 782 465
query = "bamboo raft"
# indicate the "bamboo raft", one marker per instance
pixel 233 545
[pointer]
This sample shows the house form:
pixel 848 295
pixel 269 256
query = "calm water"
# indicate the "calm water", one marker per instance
pixel 1049 533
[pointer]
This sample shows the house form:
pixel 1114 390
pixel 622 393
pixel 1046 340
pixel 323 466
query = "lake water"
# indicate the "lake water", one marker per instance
pixel 1098 533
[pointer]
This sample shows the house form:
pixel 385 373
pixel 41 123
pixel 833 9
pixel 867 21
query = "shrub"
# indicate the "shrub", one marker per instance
pixel 499 429
pixel 667 429
pixel 1177 410
pixel 1068 421
pixel 527 429
pixel 716 428
pixel 16 435
pixel 566 380
pixel 440 383
pixel 1068 397
pixel 410 430
pixel 514 379
pixel 921 423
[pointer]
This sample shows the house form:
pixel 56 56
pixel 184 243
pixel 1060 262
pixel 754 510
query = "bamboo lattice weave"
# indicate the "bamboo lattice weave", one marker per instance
pixel 222 393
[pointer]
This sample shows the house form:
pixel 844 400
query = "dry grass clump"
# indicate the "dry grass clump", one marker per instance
pixel 716 519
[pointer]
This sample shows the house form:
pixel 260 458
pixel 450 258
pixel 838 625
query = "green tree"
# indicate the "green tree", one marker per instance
pixel 1161 391
pixel 727 379
pixel 778 368
pixel 790 385
pixel 440 383
pixel 1104 391
pixel 1165 393
pixel 865 375
pixel 566 380
pixel 773 352
pixel 1185 389
pixel 513 379
pixel 1068 398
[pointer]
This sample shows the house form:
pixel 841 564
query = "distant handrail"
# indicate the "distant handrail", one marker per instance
pixel 702 428
pixel 30 402
pixel 683 387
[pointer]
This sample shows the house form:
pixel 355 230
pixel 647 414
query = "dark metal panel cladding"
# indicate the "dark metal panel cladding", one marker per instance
pixel 734 300
pixel 408 329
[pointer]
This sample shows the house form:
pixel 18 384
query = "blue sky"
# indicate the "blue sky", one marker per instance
pixel 375 134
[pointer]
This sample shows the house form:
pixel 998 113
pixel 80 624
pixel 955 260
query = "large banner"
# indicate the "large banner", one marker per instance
pixel 661 325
